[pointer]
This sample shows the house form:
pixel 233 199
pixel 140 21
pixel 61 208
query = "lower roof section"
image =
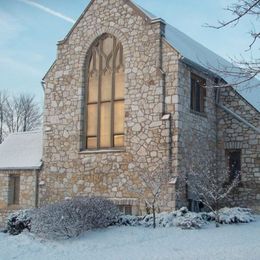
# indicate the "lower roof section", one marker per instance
pixel 21 151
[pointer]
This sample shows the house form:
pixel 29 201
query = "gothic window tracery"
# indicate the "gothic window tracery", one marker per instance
pixel 105 94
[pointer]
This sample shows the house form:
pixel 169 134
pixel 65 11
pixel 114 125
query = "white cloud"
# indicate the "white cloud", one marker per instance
pixel 48 10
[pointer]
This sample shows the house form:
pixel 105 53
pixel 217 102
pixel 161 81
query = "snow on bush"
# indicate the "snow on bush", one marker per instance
pixel 70 218
pixel 234 215
pixel 18 221
pixel 180 218
pixel 189 220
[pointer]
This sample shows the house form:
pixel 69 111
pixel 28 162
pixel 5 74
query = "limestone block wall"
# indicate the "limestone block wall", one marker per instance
pixel 72 171
pixel 233 134
pixel 196 131
pixel 27 196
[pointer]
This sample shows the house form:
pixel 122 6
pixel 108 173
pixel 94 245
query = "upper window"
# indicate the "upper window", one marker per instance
pixel 105 94
pixel 234 163
pixel 198 93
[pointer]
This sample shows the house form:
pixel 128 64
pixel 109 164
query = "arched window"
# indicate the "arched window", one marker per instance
pixel 105 94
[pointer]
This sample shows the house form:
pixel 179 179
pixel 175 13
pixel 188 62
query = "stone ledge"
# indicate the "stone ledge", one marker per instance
pixel 103 151
pixel 202 114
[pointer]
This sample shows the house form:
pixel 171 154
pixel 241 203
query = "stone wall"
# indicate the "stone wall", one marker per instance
pixel 196 130
pixel 27 196
pixel 70 171
pixel 234 134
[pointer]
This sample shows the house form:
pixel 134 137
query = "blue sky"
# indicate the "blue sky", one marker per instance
pixel 29 33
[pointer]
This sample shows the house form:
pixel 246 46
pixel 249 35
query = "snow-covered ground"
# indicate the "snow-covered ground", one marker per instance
pixel 237 241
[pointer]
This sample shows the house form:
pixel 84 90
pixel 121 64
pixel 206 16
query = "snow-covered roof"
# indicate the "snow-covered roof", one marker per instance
pixel 196 54
pixel 21 151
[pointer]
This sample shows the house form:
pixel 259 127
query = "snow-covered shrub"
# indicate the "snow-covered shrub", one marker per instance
pixel 18 221
pixel 128 220
pixel 179 218
pixel 234 215
pixel 188 220
pixel 70 218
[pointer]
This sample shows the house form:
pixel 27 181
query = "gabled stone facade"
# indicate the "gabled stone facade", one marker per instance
pixel 68 169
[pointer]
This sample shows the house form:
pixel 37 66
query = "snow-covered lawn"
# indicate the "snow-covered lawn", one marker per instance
pixel 238 241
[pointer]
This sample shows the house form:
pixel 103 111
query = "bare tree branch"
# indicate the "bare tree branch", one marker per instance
pixel 18 114
pixel 210 187
pixel 3 100
pixel 248 69
pixel 239 10
pixel 153 181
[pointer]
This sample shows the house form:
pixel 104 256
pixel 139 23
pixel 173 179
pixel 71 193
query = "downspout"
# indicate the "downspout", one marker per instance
pixel 217 93
pixel 43 83
pixel 160 71
pixel 163 76
pixel 36 188
pixel 165 114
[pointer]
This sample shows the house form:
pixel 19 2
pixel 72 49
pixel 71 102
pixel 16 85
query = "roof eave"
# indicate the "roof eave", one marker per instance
pixel 20 168
pixel 75 24
pixel 46 74
pixel 201 68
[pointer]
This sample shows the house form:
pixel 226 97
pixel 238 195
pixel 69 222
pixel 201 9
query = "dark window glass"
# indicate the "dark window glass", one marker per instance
pixel 198 93
pixel 234 164
pixel 14 190
pixel 125 209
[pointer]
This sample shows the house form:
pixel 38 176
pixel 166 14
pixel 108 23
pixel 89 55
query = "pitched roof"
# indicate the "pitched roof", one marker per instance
pixel 21 151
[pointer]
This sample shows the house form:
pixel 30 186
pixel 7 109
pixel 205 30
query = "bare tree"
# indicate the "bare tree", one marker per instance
pixel 211 188
pixel 153 179
pixel 31 116
pixel 3 100
pixel 22 114
pixel 13 113
pixel 241 10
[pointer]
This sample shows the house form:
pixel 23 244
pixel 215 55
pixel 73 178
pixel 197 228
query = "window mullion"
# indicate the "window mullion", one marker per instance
pixel 99 96
pixel 192 94
pixel 113 94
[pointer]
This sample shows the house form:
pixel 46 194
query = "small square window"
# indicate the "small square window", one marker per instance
pixel 125 209
pixel 198 94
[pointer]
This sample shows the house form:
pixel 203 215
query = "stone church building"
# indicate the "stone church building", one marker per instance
pixel 127 93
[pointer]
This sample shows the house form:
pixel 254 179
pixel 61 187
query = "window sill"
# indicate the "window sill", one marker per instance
pixel 111 150
pixel 203 114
